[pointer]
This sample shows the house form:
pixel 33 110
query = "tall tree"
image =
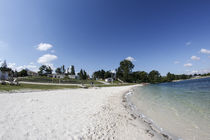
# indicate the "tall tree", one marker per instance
pixel 4 64
pixel 48 70
pixel 83 74
pixel 154 77
pixel 23 73
pixel 143 76
pixel 125 69
pixel 99 74
pixel 72 70
pixel 170 77
pixel 45 70
pixel 4 67
pixel 58 71
pixel 63 70
pixel 107 74
pixel 119 73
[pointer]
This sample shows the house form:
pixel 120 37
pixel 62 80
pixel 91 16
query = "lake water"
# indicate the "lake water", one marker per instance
pixel 180 108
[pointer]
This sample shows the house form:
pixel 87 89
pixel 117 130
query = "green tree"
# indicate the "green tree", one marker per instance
pixel 58 71
pixel 23 73
pixel 15 73
pixel 45 70
pixel 139 77
pixel 154 77
pixel 170 77
pixel 102 74
pixel 83 74
pixel 107 74
pixel 72 70
pixel 143 76
pixel 99 74
pixel 125 70
pixel 63 70
pixel 119 73
pixel 4 67
pixel 48 70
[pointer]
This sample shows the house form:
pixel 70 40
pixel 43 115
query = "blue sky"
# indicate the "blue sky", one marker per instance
pixel 164 35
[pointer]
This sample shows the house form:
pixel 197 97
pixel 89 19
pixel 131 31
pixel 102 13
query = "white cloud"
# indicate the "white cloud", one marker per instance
pixel 44 46
pixel 113 71
pixel 205 51
pixel 188 43
pixel 11 65
pixel 31 67
pixel 176 62
pixel 129 58
pixel 188 65
pixel 46 59
pixel 195 58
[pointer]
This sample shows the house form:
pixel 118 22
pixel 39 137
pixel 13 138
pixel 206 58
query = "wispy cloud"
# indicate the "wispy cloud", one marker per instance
pixel 188 43
pixel 46 59
pixel 44 46
pixel 205 51
pixel 188 65
pixel 201 71
pixel 195 58
pixel 129 58
pixel 176 62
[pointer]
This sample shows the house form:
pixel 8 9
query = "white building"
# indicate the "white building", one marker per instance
pixel 4 75
pixel 72 76
pixel 109 80
pixel 61 76
pixel 31 73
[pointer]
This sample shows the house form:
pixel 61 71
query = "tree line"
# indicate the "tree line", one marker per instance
pixel 124 72
pixel 47 70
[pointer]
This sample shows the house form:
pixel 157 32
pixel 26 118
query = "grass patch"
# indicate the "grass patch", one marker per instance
pixel 44 79
pixel 35 87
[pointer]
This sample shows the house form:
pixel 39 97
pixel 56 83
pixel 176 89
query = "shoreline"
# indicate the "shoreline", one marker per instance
pixel 152 128
pixel 194 78
pixel 121 123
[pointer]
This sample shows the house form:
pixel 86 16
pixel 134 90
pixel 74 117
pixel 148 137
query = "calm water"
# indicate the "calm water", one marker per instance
pixel 181 108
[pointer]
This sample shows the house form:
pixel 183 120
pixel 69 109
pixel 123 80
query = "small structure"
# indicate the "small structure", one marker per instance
pixel 109 80
pixel 60 76
pixel 31 73
pixel 72 76
pixel 4 75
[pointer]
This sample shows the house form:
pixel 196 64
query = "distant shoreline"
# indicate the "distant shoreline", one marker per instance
pixel 193 78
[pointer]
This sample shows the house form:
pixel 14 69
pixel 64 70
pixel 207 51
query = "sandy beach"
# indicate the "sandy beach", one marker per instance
pixel 97 113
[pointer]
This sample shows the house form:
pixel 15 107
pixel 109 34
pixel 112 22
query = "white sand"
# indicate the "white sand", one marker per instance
pixel 69 114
